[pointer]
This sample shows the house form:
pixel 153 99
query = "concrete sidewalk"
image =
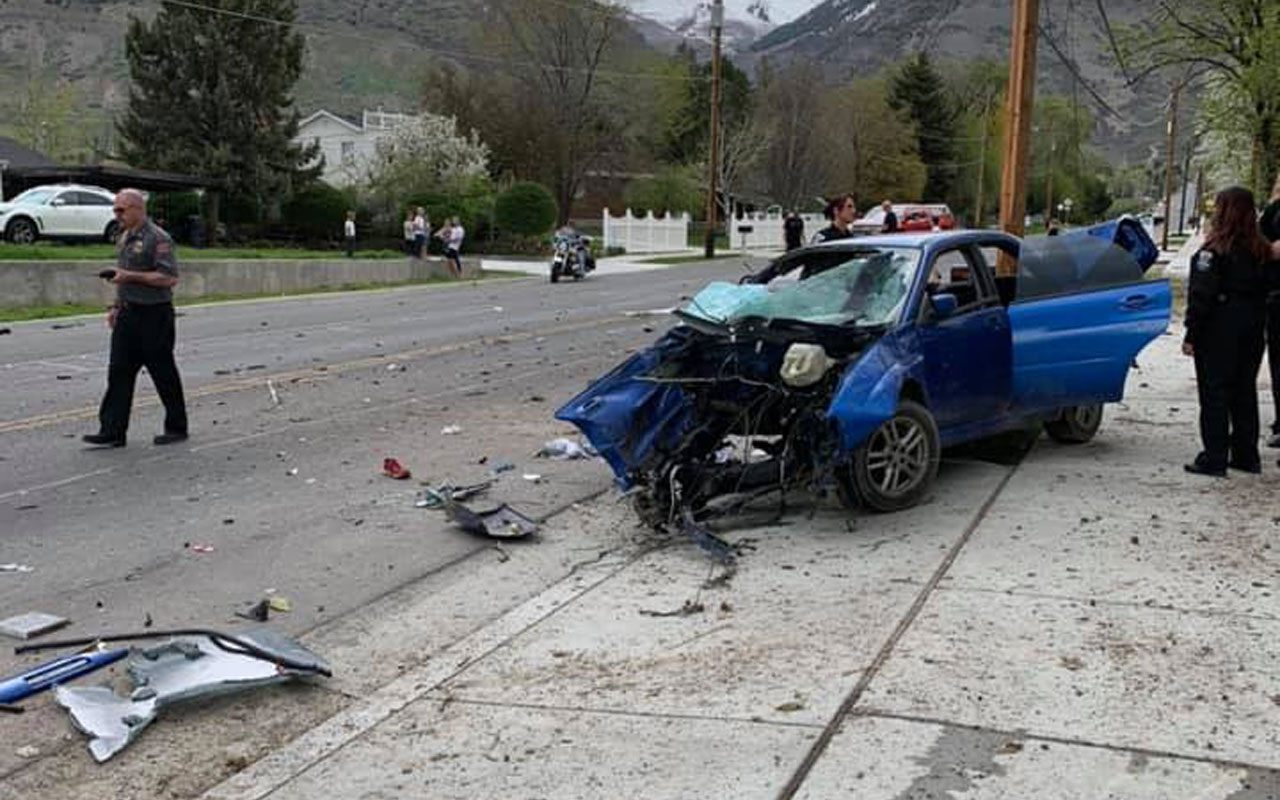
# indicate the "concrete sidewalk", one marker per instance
pixel 1091 623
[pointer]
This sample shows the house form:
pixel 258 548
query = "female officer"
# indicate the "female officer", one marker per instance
pixel 842 212
pixel 1271 229
pixel 1226 315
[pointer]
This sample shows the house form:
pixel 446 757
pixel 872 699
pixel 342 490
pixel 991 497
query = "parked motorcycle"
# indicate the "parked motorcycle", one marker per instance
pixel 572 257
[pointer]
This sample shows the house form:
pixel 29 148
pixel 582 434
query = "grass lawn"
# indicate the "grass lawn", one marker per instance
pixel 53 312
pixel 51 251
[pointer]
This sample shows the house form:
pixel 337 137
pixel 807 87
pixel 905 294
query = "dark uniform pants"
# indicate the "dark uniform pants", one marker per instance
pixel 1228 353
pixel 1273 358
pixel 143 336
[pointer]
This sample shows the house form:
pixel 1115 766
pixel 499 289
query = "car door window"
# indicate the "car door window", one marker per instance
pixel 91 199
pixel 954 272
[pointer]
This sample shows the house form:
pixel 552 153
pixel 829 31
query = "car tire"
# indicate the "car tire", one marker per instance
pixel 112 231
pixel 1075 425
pixel 896 465
pixel 22 231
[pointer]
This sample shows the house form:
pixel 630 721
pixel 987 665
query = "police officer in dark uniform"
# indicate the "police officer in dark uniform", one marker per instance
pixel 142 325
pixel 1226 315
pixel 842 211
pixel 1270 224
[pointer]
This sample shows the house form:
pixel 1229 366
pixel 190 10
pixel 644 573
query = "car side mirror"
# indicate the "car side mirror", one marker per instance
pixel 943 305
pixel 57 201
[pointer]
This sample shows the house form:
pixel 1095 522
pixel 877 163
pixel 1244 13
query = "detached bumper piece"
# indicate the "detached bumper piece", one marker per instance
pixel 190 668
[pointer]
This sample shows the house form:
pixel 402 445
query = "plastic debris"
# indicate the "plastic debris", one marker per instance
pixel 533 477
pixel 438 496
pixel 279 603
pixel 187 668
pixel 34 623
pixel 27 751
pixel 451 430
pixel 501 467
pixel 502 522
pixel 562 450
pixel 60 670
pixel 393 469
pixel 275 396
pixel 16 568
pixel 201 548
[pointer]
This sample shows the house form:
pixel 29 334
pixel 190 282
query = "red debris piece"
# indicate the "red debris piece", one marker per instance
pixel 393 469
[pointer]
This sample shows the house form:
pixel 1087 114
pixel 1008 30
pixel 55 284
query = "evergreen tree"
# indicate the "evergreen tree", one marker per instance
pixel 686 135
pixel 920 91
pixel 211 96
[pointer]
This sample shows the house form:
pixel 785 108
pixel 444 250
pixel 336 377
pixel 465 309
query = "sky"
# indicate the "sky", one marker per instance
pixel 665 10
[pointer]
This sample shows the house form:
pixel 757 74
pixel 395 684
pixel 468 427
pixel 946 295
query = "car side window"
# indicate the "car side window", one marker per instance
pixel 91 199
pixel 64 199
pixel 953 273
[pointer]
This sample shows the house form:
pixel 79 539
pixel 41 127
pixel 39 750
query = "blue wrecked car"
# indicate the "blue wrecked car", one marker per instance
pixel 854 363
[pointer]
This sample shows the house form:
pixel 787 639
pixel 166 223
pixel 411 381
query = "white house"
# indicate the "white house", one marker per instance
pixel 348 148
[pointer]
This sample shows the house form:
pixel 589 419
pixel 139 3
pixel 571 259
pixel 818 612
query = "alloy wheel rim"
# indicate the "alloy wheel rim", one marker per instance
pixel 1087 416
pixel 898 456
pixel 22 233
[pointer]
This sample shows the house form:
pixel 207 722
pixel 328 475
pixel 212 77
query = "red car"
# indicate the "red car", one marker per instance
pixel 913 218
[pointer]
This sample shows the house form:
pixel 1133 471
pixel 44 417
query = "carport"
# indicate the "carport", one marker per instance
pixel 18 178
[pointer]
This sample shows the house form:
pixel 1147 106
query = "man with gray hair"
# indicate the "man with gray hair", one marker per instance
pixel 142 325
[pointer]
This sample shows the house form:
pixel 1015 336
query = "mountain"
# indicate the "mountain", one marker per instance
pixel 858 37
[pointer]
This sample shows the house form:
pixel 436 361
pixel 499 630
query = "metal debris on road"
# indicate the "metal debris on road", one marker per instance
pixel 532 477
pixel 501 467
pixel 562 450
pixel 34 623
pixel 187 668
pixel 502 522
pixel 275 396
pixel 258 612
pixel 16 568
pixel 438 496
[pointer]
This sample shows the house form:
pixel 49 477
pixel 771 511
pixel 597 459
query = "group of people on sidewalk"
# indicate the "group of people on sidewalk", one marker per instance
pixel 842 211
pixel 417 233
pixel 1233 315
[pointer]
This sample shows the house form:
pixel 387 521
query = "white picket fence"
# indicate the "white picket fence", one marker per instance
pixel 766 230
pixel 648 234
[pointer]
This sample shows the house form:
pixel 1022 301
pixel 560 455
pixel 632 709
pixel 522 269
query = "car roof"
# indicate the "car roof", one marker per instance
pixel 918 241
pixel 61 187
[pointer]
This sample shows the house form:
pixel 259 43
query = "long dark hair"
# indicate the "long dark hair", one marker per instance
pixel 834 204
pixel 1235 225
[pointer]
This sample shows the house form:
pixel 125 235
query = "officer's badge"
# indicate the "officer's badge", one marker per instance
pixel 1203 261
pixel 137 247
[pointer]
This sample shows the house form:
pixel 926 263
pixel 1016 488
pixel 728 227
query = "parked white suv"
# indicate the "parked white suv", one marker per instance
pixel 64 211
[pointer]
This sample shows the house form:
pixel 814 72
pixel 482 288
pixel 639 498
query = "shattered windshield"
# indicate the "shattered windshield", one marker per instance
pixel 868 289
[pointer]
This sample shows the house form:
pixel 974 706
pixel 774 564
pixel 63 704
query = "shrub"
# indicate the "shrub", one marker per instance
pixel 317 211
pixel 526 209
pixel 674 190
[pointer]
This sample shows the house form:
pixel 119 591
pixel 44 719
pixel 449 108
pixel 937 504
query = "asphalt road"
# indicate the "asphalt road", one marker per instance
pixel 288 495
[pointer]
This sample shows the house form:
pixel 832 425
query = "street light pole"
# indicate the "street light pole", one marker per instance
pixel 717 25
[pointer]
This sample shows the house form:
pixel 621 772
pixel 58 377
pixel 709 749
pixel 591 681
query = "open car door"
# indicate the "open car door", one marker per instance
pixel 1081 313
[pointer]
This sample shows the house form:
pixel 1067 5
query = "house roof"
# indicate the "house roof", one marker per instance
pixel 19 156
pixel 322 114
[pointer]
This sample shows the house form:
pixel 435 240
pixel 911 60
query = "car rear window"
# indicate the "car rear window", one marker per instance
pixel 1054 265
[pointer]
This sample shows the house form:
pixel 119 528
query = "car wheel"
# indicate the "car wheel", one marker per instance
pixel 898 463
pixel 112 231
pixel 22 231
pixel 1076 424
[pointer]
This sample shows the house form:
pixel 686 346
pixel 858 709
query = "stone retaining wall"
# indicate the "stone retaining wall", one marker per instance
pixel 47 283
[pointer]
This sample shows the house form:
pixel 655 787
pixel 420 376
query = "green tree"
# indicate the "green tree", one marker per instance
pixel 526 209
pixel 871 149
pixel 919 89
pixel 689 123
pixel 211 96
pixel 675 189
pixel 1237 44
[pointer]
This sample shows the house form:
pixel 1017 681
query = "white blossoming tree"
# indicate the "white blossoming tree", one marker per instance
pixel 426 155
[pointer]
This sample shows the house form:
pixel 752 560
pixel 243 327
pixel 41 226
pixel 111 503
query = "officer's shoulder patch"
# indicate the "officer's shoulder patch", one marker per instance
pixel 1203 262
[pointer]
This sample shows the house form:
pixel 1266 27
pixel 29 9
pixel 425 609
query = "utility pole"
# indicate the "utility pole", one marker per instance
pixel 982 162
pixel 1048 181
pixel 1171 135
pixel 1199 197
pixel 717 25
pixel 1022 81
pixel 1186 173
